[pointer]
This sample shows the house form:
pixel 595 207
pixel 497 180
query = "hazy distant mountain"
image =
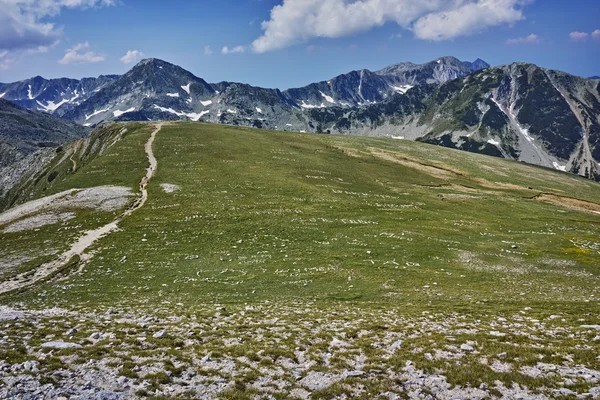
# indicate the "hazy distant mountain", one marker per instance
pixel 476 65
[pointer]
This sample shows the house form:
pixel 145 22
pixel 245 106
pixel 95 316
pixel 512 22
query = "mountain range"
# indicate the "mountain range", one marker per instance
pixel 154 88
pixel 51 94
pixel 518 111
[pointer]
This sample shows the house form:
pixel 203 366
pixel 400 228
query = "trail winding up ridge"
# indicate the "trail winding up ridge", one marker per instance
pixel 89 238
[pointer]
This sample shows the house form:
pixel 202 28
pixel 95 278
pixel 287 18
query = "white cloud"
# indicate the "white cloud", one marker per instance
pixel 237 49
pixel 42 49
pixel 531 39
pixel 207 51
pixel 468 18
pixel 296 21
pixel 17 55
pixel 24 24
pixel 596 34
pixel 132 56
pixel 578 36
pixel 75 56
pixel 5 62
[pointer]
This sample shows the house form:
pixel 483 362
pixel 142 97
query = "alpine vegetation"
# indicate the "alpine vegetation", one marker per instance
pixel 194 260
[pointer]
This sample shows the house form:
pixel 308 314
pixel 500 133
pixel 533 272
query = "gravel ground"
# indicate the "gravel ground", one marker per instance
pixel 298 351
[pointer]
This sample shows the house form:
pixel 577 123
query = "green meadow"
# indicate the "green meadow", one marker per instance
pixel 351 231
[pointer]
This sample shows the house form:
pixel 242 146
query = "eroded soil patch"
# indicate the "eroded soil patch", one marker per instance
pixel 569 202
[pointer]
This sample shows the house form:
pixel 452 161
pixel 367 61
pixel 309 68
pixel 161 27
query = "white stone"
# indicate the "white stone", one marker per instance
pixel 61 345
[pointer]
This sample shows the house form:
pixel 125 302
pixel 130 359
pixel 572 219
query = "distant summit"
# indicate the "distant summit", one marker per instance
pixel 477 65
pixel 358 88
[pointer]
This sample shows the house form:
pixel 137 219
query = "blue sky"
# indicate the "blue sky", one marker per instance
pixel 302 41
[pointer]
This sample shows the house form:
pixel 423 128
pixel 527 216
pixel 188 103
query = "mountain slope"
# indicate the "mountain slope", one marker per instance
pixel 520 111
pixel 155 90
pixel 27 138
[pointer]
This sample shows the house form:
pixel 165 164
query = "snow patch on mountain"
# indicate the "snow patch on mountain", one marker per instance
pixel 197 116
pixel 187 87
pixel 170 110
pixel 524 132
pixel 2 95
pixel 206 103
pixel 51 106
pixel 192 116
pixel 559 167
pixel 29 93
pixel 95 113
pixel 118 113
pixel 259 110
pixel 402 89
pixel 304 105
pixel 173 94
pixel 494 142
pixel 328 98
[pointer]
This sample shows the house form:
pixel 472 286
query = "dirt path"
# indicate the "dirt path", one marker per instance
pixel 73 154
pixel 89 238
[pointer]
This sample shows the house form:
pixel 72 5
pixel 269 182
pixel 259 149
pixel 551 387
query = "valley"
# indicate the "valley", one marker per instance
pixel 246 263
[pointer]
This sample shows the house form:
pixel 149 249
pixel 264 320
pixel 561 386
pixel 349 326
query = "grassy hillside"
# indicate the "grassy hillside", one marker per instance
pixel 352 234
pixel 303 213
